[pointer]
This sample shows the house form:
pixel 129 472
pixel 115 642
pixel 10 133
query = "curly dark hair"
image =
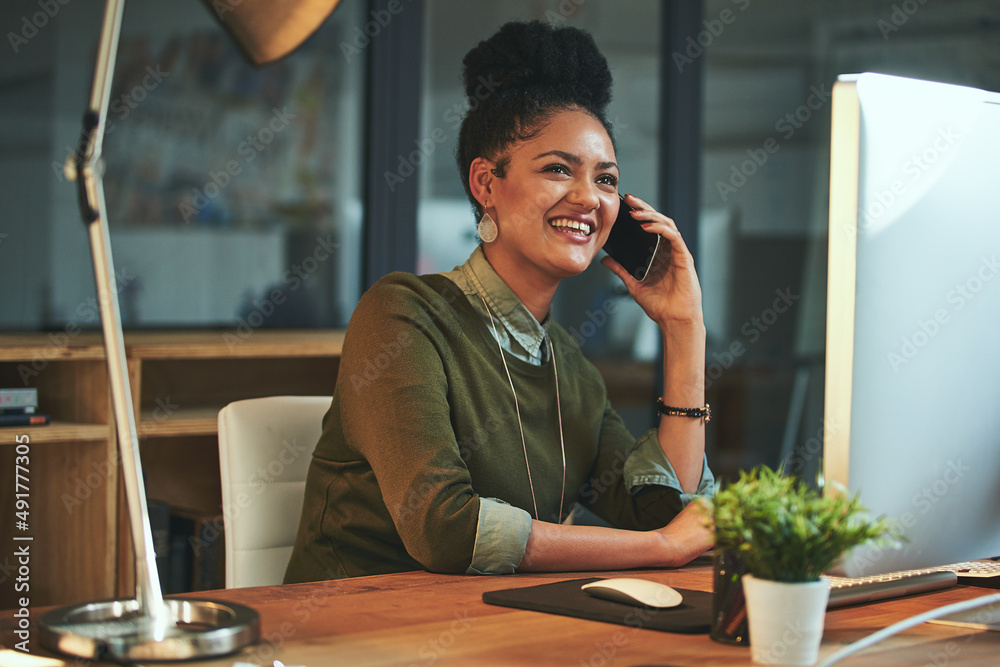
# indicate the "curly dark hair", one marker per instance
pixel 517 79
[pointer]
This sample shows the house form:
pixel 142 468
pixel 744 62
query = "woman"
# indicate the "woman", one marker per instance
pixel 465 424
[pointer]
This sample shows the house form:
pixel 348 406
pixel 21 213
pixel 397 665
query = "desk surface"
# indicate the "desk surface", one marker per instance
pixel 418 618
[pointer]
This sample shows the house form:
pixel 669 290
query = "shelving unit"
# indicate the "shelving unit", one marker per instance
pixel 81 548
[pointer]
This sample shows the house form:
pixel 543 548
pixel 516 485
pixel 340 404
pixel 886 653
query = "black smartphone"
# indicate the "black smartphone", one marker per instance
pixel 630 245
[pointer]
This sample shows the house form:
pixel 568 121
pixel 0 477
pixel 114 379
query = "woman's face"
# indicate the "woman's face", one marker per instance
pixel 558 199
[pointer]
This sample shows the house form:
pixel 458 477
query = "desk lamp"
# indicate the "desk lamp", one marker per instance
pixel 149 627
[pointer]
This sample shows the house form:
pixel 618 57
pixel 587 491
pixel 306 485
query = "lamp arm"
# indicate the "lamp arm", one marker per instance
pixel 87 169
pixel 85 165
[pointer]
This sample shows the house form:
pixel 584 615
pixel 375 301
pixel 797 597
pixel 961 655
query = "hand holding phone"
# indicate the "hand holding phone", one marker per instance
pixel 630 245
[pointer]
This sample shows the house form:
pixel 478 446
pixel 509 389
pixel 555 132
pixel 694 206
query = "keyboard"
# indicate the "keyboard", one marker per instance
pixel 977 573
pixel 847 591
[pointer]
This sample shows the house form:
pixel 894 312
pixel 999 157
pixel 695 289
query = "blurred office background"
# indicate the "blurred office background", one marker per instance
pixel 273 198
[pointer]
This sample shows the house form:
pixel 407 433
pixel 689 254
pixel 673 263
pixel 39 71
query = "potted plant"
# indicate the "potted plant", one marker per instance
pixel 787 535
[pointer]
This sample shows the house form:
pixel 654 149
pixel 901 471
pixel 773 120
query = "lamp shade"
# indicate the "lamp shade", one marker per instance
pixel 266 30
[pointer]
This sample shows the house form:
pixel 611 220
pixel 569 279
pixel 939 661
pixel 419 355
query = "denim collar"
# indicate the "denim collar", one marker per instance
pixel 515 318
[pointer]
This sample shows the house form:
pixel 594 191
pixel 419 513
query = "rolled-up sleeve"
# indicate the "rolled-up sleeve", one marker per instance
pixel 647 464
pixel 632 484
pixel 501 538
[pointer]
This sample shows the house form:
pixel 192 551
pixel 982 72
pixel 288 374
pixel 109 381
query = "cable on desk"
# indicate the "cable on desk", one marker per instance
pixel 908 623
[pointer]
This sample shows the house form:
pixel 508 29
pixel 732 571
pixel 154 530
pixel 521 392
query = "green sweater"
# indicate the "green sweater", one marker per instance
pixel 423 425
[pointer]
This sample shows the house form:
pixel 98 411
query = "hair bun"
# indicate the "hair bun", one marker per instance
pixel 559 62
pixel 517 80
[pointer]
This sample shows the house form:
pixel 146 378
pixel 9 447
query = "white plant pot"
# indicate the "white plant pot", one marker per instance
pixel 786 620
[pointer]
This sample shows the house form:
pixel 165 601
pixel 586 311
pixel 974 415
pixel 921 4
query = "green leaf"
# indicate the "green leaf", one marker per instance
pixel 786 531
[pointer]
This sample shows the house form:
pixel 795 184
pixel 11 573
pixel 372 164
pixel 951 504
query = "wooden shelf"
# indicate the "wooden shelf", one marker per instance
pixel 230 345
pixel 189 421
pixel 43 348
pixel 179 381
pixel 56 431
pixel 226 344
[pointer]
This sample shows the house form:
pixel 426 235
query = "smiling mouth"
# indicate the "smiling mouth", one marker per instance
pixel 572 226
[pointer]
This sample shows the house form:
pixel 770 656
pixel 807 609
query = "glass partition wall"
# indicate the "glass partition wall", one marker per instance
pixel 769 69
pixel 233 194
pixel 241 198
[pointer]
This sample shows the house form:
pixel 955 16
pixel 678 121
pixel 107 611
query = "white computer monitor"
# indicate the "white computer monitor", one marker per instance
pixel 912 403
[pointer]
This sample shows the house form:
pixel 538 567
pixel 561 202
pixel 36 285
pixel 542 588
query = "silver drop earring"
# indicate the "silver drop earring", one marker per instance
pixel 487 228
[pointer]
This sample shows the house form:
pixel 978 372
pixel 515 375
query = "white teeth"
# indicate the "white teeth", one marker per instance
pixel 571 224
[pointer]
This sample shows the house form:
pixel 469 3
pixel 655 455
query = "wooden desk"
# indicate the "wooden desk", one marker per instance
pixel 418 618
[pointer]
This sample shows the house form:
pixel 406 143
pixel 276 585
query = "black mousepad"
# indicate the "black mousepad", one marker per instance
pixel 692 616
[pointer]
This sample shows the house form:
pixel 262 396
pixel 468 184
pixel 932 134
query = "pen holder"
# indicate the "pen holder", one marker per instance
pixel 729 611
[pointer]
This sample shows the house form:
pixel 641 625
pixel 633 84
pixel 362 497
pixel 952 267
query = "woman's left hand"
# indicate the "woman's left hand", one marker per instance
pixel 671 294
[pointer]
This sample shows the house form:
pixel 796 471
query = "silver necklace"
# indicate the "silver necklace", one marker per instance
pixel 517 409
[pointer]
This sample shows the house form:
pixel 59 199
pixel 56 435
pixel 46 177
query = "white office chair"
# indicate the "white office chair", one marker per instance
pixel 265 447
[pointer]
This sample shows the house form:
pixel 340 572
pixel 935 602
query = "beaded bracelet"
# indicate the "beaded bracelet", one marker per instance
pixel 704 412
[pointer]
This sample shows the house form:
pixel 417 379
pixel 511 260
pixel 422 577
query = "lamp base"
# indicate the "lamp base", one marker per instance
pixel 113 630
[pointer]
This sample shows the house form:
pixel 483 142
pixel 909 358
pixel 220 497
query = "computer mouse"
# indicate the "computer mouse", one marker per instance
pixel 636 592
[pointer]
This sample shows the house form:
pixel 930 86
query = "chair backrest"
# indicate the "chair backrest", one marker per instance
pixel 265 447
